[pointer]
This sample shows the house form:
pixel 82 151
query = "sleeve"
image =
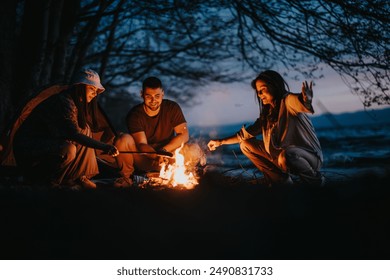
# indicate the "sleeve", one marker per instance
pixel 255 128
pixel 60 115
pixel 70 112
pixel 177 115
pixel 243 134
pixel 295 105
pixel 250 132
pixel 134 121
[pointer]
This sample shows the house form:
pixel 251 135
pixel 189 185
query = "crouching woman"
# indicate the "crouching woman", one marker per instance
pixel 54 144
pixel 289 144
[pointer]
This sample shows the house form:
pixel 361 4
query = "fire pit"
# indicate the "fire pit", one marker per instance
pixel 173 175
pixel 154 181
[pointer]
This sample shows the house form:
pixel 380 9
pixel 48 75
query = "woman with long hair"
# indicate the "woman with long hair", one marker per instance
pixel 289 144
pixel 54 144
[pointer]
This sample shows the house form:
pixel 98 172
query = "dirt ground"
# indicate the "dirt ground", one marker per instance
pixel 221 218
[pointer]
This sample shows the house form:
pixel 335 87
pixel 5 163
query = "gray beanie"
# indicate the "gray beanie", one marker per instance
pixel 88 77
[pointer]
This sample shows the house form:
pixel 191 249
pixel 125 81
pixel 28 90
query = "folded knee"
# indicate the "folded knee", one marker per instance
pixel 290 155
pixel 124 141
pixel 68 152
pixel 246 146
pixel 287 159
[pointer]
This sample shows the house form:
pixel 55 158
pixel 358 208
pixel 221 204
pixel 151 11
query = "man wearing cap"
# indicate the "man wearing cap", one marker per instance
pixel 158 125
pixel 55 142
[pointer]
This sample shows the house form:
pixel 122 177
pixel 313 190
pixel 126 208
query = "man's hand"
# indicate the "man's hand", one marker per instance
pixel 164 153
pixel 165 161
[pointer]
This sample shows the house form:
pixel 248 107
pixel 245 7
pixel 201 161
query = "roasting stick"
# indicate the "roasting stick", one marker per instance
pixel 159 153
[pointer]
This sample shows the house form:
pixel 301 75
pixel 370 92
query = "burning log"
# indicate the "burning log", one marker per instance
pixel 175 175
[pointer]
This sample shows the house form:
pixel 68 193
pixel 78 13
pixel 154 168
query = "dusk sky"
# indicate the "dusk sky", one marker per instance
pixel 235 103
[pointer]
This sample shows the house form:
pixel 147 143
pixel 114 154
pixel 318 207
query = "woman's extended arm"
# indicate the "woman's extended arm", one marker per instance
pixel 213 144
pixel 92 143
pixel 242 135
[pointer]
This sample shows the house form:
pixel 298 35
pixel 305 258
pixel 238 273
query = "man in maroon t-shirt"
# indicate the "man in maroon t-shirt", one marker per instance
pixel 159 125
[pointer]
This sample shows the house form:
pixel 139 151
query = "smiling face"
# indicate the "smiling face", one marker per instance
pixel 152 99
pixel 90 93
pixel 263 93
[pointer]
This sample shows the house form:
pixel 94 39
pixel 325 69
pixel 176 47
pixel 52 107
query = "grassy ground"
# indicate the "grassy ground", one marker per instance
pixel 220 219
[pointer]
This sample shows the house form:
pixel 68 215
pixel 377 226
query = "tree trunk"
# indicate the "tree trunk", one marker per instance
pixel 84 41
pixel 110 41
pixel 32 40
pixel 68 21
pixel 51 26
pixel 7 58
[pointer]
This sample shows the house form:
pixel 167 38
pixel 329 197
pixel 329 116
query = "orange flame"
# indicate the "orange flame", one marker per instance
pixel 176 173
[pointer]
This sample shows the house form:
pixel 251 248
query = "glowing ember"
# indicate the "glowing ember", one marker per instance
pixel 176 174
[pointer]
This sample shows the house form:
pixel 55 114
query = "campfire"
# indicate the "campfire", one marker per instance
pixel 174 175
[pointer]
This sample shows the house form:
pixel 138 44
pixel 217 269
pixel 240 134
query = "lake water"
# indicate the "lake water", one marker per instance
pixel 348 150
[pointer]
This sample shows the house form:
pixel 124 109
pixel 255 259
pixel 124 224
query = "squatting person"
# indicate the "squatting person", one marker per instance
pixel 56 144
pixel 289 144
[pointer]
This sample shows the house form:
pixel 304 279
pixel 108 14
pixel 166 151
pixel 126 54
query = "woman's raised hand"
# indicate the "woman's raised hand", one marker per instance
pixel 307 92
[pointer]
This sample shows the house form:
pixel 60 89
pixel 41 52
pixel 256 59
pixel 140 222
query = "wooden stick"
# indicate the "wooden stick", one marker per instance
pixel 159 153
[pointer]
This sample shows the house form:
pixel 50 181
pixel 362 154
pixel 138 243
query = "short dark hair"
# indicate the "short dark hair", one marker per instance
pixel 151 82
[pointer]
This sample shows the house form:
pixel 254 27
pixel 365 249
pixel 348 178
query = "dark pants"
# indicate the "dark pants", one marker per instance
pixel 294 160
